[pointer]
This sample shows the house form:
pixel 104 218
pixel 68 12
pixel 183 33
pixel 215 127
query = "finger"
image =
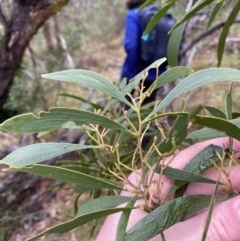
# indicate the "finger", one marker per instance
pixel 109 228
pixel 180 161
pixel 134 181
pixel 231 182
pixel 161 184
pixel 186 155
pixel 224 224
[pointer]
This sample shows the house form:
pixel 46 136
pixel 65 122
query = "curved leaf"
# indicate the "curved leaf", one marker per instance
pixel 169 76
pixel 89 79
pixel 167 215
pixel 69 176
pixel 156 18
pixel 207 133
pixel 75 223
pixel 199 163
pixel 227 127
pixel 81 169
pixel 228 103
pixel 167 114
pixel 215 112
pixel 174 45
pixel 210 212
pixel 101 203
pixel 55 119
pixel 199 5
pixel 200 78
pixel 122 224
pixel 214 13
pixel 134 82
pixel 96 106
pixel 40 152
pixel 176 135
pixel 147 3
pixel 224 33
pixel 183 175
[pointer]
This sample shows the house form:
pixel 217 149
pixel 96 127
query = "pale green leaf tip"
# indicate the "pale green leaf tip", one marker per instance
pixel 40 134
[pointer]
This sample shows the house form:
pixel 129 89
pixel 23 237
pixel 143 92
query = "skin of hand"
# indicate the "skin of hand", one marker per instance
pixel 224 225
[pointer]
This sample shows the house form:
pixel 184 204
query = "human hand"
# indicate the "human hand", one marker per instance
pixel 225 220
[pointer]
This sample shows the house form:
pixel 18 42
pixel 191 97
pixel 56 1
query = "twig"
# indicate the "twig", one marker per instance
pixel 204 35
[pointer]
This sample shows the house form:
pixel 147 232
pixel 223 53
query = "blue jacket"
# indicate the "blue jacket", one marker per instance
pixel 132 38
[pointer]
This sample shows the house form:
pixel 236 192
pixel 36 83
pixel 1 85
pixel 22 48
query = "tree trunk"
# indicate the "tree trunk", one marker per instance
pixel 26 18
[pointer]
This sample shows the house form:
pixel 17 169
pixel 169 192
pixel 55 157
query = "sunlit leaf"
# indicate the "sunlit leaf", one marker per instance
pixel 40 152
pixel 200 78
pixel 89 79
pixel 55 119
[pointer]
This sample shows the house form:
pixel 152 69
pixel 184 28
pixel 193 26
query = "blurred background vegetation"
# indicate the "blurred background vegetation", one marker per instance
pixel 88 35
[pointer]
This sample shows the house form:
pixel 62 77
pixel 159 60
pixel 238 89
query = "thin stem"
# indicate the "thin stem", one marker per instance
pixel 92 138
pixel 118 159
pixel 133 159
pixel 116 175
pixel 129 122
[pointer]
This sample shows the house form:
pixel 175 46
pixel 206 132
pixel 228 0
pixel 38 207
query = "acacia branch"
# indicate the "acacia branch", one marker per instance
pixel 199 37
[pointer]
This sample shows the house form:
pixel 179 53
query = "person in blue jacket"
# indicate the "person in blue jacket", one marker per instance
pixel 132 41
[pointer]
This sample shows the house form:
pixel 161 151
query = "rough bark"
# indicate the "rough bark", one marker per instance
pixel 26 18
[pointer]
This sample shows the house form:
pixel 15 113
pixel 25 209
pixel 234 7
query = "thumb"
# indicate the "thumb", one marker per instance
pixel 224 224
